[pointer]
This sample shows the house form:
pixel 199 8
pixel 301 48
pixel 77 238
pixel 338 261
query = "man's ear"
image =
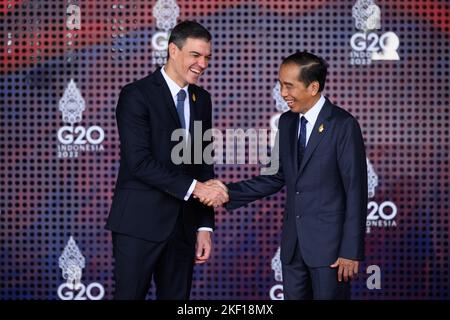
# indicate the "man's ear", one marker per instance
pixel 173 49
pixel 314 88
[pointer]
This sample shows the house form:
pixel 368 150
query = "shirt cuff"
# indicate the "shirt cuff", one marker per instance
pixel 205 229
pixel 190 190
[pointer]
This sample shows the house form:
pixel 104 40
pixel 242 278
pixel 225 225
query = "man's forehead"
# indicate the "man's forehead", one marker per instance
pixel 197 44
pixel 289 67
pixel 197 40
pixel 291 70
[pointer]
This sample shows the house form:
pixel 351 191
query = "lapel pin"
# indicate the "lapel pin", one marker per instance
pixel 194 97
pixel 321 128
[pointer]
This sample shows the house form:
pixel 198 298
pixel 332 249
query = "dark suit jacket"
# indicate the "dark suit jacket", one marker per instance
pixel 150 188
pixel 326 204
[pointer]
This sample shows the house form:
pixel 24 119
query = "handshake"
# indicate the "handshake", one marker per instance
pixel 211 193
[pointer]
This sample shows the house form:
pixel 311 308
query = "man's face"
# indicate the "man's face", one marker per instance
pixel 189 62
pixel 299 97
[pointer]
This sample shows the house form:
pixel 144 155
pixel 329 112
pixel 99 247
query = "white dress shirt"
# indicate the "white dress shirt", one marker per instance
pixel 311 116
pixel 174 89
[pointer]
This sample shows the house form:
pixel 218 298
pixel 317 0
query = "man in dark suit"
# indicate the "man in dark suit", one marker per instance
pixel 158 229
pixel 322 163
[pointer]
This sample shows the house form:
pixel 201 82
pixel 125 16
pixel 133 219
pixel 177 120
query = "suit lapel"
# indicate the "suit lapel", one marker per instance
pixel 292 132
pixel 316 134
pixel 167 96
pixel 192 102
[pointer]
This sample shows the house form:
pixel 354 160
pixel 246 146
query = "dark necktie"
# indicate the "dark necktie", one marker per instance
pixel 181 96
pixel 301 142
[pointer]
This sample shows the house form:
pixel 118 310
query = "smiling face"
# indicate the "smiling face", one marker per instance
pixel 299 97
pixel 185 65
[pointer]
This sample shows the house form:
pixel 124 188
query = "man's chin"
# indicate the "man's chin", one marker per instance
pixel 192 80
pixel 294 109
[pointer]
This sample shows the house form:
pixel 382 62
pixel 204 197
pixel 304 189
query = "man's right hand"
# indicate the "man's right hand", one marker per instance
pixel 211 193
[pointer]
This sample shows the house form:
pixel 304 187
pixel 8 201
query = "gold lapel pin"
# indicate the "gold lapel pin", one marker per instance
pixel 194 97
pixel 321 128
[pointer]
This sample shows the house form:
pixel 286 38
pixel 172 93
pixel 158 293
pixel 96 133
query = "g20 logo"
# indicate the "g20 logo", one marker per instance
pixel 385 211
pixel 276 292
pixel 94 291
pixel 160 41
pixel 381 215
pixel 382 47
pixel 160 45
pixel 79 135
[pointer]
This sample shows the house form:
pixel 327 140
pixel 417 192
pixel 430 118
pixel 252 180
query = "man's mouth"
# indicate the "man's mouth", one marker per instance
pixel 196 71
pixel 289 103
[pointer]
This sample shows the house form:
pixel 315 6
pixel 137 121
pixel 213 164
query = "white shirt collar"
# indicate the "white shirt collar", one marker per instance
pixel 173 86
pixel 312 114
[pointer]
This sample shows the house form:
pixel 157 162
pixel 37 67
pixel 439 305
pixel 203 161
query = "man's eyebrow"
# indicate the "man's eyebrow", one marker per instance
pixel 285 82
pixel 195 52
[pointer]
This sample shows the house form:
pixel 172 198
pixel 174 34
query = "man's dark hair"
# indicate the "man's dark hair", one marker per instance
pixel 188 29
pixel 312 68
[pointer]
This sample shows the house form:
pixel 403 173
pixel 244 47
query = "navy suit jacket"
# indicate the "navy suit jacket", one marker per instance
pixel 150 189
pixel 326 205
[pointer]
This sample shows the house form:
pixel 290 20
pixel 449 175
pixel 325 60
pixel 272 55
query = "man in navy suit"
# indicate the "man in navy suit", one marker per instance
pixel 158 229
pixel 322 163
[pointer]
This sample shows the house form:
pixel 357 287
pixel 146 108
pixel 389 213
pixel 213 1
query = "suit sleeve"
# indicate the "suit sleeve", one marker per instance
pixel 244 192
pixel 133 121
pixel 353 171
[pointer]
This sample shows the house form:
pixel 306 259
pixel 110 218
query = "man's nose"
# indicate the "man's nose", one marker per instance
pixel 202 62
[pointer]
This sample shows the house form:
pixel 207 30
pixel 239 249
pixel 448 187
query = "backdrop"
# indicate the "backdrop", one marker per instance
pixel 63 64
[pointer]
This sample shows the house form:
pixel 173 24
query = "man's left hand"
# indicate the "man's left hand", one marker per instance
pixel 348 269
pixel 203 247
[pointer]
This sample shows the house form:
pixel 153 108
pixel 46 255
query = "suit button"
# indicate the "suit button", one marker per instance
pixel 298 217
pixel 297 192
